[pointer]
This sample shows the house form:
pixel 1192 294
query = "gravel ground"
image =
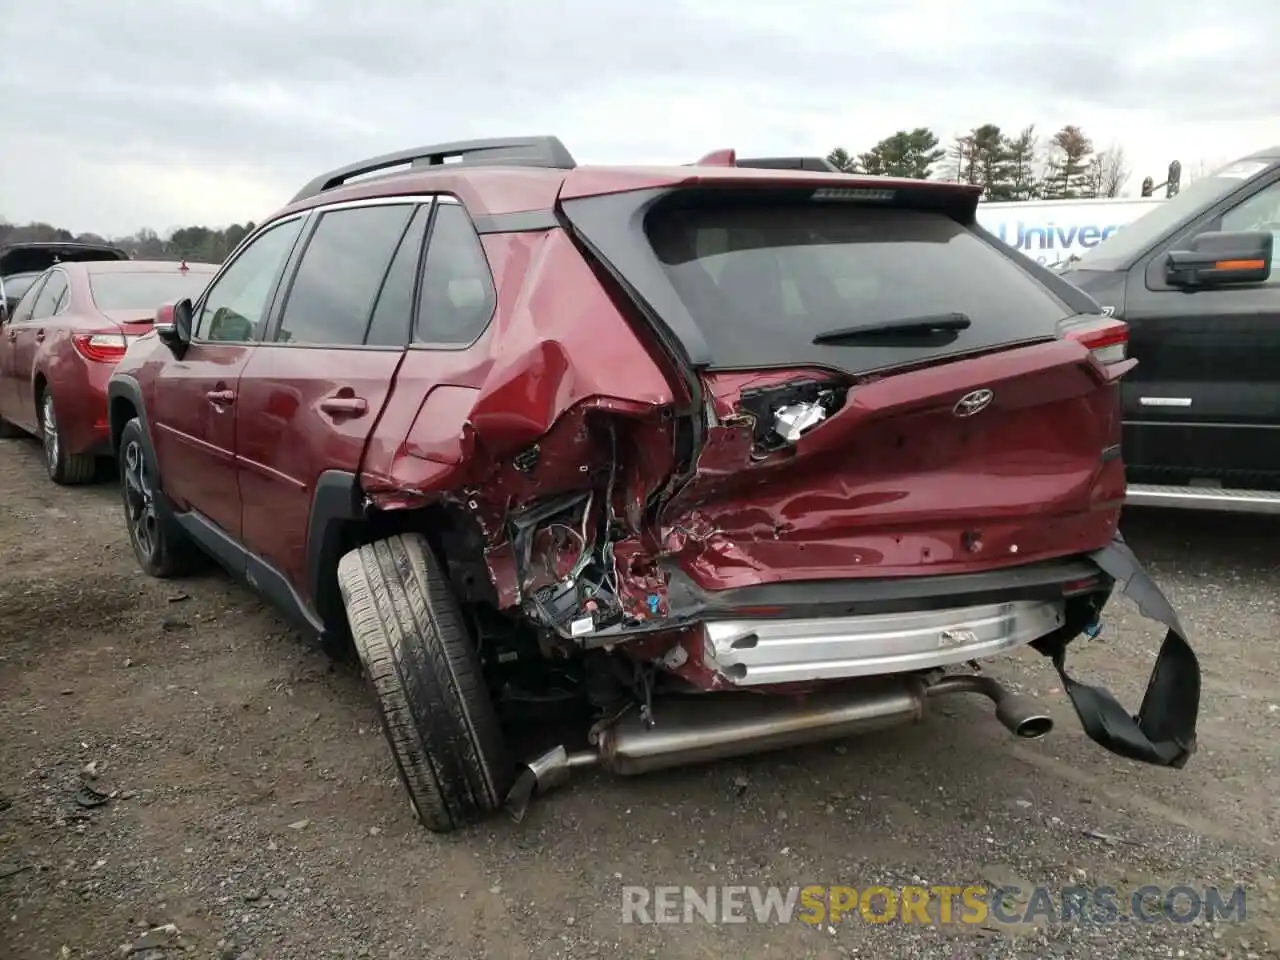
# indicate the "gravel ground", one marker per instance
pixel 253 805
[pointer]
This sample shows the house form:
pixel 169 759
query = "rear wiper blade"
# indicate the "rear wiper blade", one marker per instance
pixel 922 326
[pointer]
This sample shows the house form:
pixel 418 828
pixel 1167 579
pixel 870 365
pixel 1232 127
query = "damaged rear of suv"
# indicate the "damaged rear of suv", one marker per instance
pixel 709 459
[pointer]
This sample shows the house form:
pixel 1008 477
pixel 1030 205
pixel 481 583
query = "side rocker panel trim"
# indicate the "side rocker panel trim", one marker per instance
pixel 247 567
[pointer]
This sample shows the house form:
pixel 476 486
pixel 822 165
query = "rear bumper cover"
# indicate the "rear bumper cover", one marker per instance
pixel 897 629
pixel 1163 732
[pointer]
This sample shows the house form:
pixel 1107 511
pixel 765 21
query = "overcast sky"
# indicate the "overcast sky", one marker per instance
pixel 162 113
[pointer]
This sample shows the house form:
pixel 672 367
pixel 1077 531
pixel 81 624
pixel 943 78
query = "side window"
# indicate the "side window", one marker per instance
pixel 236 304
pixel 393 314
pixel 1259 212
pixel 331 298
pixel 25 306
pixel 47 302
pixel 457 297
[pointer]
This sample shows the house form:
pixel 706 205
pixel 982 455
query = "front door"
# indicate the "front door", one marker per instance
pixel 313 391
pixel 29 334
pixel 1203 403
pixel 193 410
pixel 11 396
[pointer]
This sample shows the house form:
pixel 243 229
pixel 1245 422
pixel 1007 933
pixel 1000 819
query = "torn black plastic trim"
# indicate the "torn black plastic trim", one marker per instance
pixel 1163 732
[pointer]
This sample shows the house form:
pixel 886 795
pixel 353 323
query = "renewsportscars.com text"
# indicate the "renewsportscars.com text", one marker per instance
pixel 938 904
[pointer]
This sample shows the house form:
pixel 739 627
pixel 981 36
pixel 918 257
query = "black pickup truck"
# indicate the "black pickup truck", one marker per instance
pixel 1195 281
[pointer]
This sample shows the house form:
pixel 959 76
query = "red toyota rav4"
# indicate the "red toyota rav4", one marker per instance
pixel 716 458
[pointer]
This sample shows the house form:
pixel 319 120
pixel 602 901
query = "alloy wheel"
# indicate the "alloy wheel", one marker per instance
pixel 49 431
pixel 139 500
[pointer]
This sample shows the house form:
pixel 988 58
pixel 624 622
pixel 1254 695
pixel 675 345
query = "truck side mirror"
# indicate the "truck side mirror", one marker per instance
pixel 1220 258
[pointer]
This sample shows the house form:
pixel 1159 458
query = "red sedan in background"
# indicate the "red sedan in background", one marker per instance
pixel 61 343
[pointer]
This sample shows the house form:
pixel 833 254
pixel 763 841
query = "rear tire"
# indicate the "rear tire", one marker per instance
pixel 425 672
pixel 65 469
pixel 162 548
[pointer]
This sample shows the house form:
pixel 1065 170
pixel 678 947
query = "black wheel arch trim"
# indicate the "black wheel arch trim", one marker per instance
pixel 125 387
pixel 336 505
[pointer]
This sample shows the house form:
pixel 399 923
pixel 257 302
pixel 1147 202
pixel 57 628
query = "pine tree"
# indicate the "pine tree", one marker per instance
pixel 1021 151
pixel 840 159
pixel 907 153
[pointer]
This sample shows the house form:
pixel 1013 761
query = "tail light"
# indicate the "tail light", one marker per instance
pixel 1106 337
pixel 101 347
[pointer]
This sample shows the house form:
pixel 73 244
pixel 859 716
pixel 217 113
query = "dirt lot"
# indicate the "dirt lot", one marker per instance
pixel 258 812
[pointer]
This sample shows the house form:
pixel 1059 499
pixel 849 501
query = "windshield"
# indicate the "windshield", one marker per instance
pixel 762 281
pixel 135 290
pixel 1151 227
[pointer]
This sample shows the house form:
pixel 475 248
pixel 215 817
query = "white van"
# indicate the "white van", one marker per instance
pixel 1052 231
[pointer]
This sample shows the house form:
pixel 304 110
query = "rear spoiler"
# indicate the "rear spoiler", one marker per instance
pixel 729 158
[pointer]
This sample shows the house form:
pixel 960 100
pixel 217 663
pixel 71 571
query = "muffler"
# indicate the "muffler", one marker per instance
pixel 698 728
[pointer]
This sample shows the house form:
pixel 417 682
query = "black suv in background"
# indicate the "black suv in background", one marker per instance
pixel 1195 281
pixel 22 263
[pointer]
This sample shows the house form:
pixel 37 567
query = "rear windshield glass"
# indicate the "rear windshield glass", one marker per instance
pixel 15 287
pixel 761 281
pixel 144 291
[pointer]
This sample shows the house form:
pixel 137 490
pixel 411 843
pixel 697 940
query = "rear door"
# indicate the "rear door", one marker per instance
pixel 193 410
pixel 312 393
pixel 1203 404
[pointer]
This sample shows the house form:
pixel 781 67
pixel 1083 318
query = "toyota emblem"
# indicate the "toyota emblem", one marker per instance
pixel 972 403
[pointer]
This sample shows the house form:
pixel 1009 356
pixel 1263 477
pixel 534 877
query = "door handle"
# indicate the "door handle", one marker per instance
pixel 39 336
pixel 220 398
pixel 13 334
pixel 344 406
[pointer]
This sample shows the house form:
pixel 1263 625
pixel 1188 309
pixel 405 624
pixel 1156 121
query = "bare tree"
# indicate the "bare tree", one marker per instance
pixel 1115 170
pixel 1107 173
pixel 962 155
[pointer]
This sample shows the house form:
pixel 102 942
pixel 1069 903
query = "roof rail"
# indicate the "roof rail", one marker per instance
pixel 817 164
pixel 500 151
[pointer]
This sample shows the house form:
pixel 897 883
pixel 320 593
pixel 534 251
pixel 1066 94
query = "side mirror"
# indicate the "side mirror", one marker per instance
pixel 173 325
pixel 1224 257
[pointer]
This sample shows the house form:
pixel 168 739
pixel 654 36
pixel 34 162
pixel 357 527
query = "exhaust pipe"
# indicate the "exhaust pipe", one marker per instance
pixel 1020 715
pixel 716 726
